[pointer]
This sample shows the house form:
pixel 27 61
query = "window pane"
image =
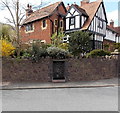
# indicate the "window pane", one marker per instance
pixel 72 21
pixel 61 23
pixel 55 22
pixel 29 27
pixel 44 23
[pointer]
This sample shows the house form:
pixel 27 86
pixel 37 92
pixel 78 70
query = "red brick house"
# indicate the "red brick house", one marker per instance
pixel 41 24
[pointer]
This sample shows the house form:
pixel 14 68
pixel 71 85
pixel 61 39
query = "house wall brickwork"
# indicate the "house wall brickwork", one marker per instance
pixel 44 34
pixel 75 69
pixel 110 43
pixel 38 32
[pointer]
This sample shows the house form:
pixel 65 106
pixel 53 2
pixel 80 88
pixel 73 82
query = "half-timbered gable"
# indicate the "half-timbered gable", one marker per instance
pixel 98 24
pixel 92 19
pixel 75 18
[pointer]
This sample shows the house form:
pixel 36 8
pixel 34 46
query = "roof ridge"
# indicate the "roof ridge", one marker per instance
pixel 49 5
pixel 43 8
pixel 112 28
pixel 79 8
pixel 42 12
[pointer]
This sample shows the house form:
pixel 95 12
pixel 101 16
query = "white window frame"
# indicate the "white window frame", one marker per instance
pixel 29 28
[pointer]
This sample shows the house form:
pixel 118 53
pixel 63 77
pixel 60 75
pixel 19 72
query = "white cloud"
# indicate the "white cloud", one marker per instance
pixel 4 13
pixel 114 16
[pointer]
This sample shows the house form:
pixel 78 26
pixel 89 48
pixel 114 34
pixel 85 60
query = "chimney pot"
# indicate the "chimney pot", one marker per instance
pixel 29 10
pixel 68 4
pixel 28 6
pixel 112 23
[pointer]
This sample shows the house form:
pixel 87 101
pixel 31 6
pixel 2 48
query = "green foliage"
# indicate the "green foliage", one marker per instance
pixel 57 38
pixel 117 46
pixel 7 33
pixel 24 49
pixel 64 46
pixel 26 55
pixel 106 46
pixel 79 42
pixel 38 50
pixel 97 52
pixel 58 53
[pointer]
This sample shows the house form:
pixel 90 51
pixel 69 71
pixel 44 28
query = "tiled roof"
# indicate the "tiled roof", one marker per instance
pixel 41 13
pixel 118 29
pixel 112 28
pixel 81 9
pixel 90 9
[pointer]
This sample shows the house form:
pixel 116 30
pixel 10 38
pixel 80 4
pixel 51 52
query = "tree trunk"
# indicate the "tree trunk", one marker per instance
pixel 17 29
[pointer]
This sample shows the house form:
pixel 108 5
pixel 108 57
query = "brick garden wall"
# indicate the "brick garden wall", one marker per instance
pixel 91 69
pixel 75 69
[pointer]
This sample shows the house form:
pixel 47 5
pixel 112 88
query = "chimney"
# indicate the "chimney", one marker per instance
pixel 83 2
pixel 68 6
pixel 112 23
pixel 29 10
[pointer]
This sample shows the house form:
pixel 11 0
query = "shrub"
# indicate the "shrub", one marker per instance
pixel 37 52
pixel 57 38
pixel 63 46
pixel 106 47
pixel 96 53
pixel 34 51
pixel 26 55
pixel 117 46
pixel 6 48
pixel 79 42
pixel 56 52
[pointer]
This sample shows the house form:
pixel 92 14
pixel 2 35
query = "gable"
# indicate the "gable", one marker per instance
pixel 72 12
pixel 101 13
pixel 99 21
pixel 91 9
pixel 44 12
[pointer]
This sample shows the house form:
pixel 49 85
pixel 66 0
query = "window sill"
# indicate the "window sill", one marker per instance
pixel 29 31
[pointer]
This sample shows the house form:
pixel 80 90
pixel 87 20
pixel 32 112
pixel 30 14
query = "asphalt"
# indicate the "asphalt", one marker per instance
pixel 82 84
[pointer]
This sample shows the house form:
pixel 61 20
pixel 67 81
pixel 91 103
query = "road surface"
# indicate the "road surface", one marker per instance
pixel 68 99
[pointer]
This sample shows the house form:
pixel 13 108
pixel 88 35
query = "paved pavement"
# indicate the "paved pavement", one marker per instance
pixel 82 84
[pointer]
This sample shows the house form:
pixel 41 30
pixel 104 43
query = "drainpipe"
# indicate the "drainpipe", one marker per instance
pixel 52 23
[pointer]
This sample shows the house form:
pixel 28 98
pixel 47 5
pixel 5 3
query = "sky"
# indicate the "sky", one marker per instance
pixel 111 7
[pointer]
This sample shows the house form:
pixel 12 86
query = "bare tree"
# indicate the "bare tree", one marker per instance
pixel 17 12
pixel 17 16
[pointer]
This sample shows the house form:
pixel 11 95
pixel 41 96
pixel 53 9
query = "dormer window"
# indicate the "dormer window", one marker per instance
pixel 72 21
pixel 29 27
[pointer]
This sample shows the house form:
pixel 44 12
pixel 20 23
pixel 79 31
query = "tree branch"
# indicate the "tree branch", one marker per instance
pixel 7 6
pixel 21 18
